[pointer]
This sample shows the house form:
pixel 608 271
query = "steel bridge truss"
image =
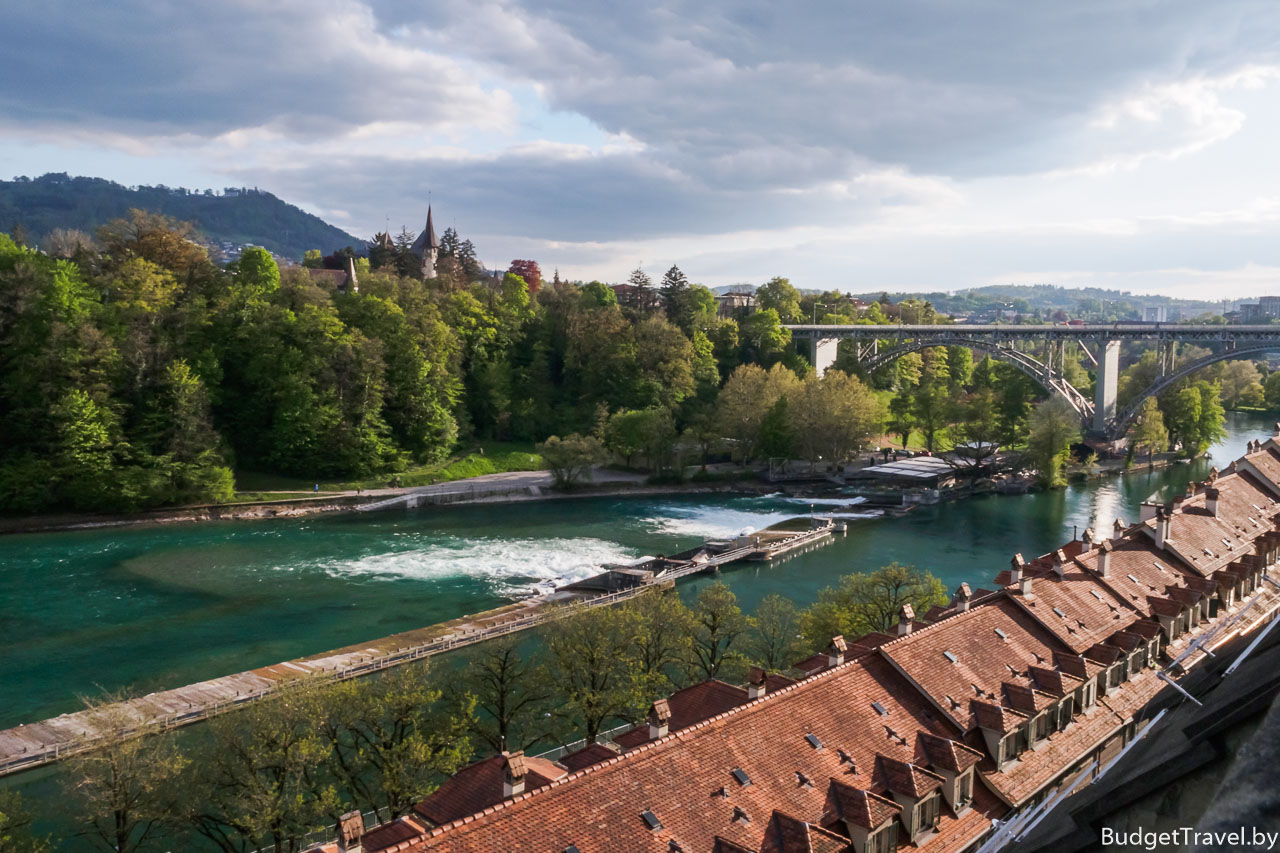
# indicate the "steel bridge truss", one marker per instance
pixel 1040 352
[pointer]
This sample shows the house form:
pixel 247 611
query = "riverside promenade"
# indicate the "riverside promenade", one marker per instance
pixel 31 745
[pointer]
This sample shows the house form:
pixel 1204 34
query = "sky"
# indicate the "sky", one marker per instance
pixel 883 144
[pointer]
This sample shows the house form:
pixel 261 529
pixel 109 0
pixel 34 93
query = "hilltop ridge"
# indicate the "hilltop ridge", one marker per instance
pixel 237 215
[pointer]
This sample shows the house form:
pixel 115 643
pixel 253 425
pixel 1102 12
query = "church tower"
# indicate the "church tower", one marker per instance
pixel 427 248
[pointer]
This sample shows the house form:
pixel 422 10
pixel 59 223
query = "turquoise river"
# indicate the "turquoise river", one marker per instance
pixel 151 607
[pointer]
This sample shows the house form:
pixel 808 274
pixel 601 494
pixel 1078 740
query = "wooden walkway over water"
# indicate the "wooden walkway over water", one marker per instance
pixel 31 745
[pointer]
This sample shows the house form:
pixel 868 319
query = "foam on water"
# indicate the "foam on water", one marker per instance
pixel 712 522
pixel 510 566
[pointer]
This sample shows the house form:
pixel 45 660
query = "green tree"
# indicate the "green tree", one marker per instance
pixel 390 738
pixel 511 695
pixel 774 639
pixel 257 269
pixel 777 433
pixel 931 407
pixel 835 415
pixel 313 259
pixel 744 400
pixel 122 787
pixel 720 627
pixel 1209 426
pixel 15 826
pixel 591 657
pixel 664 636
pixel 570 459
pixel 1271 390
pixel 1054 427
pixel 258 782
pixel 902 414
pixel 975 433
pixel 762 339
pixel 861 603
pixel 1149 434
pixel 779 296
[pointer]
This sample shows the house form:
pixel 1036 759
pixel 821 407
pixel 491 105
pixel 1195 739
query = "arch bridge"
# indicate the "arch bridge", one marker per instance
pixel 1040 351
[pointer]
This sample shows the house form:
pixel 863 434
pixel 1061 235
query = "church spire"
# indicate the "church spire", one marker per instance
pixel 430 232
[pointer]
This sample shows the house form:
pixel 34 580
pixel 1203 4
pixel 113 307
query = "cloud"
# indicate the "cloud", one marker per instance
pixel 298 68
pixel 893 141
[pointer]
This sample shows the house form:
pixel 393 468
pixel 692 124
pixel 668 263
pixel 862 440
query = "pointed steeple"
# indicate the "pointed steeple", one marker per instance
pixel 430 232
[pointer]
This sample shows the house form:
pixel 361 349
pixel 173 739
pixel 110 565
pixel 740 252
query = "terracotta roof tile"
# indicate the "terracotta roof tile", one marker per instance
pixel 948 754
pixel 478 786
pixel 857 806
pixel 680 777
pixel 786 834
pixel 902 777
pixel 972 655
pixel 588 755
pixel 688 706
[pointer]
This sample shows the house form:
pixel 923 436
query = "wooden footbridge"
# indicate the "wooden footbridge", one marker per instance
pixel 35 744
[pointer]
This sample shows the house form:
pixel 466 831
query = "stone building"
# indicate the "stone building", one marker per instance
pixel 427 248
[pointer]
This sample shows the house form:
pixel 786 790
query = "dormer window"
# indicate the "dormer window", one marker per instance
pixel 964 790
pixel 927 813
pixel 883 840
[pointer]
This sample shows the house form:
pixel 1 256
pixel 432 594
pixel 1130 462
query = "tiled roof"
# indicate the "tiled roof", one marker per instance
pixel 1135 571
pixel 787 834
pixel 1267 462
pixel 902 777
pixel 478 786
pixel 688 706
pixel 588 755
pixel 685 778
pixel 392 832
pixel 989 715
pixel 972 655
pixel 857 806
pixel 1077 607
pixel 947 754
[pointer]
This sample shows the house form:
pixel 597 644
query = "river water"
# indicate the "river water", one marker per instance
pixel 155 607
pixel 152 607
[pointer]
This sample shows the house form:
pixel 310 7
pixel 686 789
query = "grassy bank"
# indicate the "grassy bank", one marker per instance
pixel 485 457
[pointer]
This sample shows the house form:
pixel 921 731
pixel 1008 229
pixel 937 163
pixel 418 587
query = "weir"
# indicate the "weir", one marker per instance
pixel 32 745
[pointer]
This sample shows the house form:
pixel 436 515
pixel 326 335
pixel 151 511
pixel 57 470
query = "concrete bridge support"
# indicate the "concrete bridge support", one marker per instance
pixel 824 353
pixel 1104 405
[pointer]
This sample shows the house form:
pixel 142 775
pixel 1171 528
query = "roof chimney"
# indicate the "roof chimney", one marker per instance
pixel 756 686
pixel 1213 474
pixel 351 832
pixel 835 651
pixel 961 599
pixel 1117 530
pixel 1018 565
pixel 1104 557
pixel 659 719
pixel 1024 586
pixel 1086 539
pixel 1276 433
pixel 905 617
pixel 1211 501
pixel 1059 563
pixel 1164 522
pixel 512 773
pixel 1191 488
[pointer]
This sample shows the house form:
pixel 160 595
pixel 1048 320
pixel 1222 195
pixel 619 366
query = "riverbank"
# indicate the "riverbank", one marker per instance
pixel 487 489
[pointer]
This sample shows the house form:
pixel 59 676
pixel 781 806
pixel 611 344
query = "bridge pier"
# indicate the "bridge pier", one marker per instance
pixel 1104 401
pixel 824 353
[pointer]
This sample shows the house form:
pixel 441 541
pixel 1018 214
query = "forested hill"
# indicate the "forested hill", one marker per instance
pixel 55 200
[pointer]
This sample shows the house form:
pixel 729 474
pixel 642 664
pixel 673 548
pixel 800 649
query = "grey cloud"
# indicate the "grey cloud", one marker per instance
pixel 942 87
pixel 150 67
